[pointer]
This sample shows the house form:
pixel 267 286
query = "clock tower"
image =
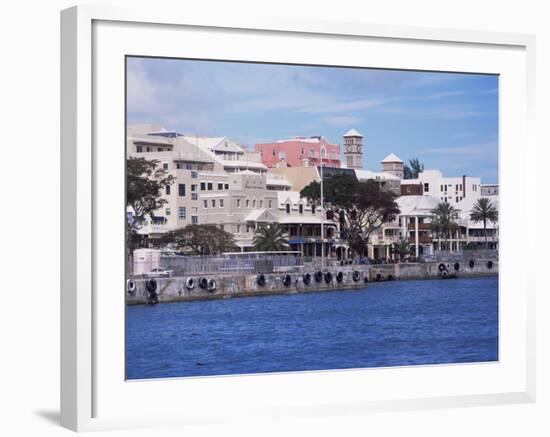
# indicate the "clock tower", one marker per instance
pixel 353 149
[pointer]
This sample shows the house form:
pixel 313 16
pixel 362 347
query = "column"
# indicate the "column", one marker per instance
pixel 416 236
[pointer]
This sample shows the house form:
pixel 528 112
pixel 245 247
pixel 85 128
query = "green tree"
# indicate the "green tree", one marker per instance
pixel 443 223
pixel 270 238
pixel 402 248
pixel 484 211
pixel 413 169
pixel 201 239
pixel 144 186
pixel 361 207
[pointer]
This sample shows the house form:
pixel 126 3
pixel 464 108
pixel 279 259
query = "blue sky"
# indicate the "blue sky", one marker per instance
pixel 447 120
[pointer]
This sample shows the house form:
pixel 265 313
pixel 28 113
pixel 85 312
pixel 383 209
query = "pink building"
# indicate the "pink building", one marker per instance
pixel 300 152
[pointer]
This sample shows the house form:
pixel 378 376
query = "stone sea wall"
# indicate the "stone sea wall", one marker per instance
pixel 139 291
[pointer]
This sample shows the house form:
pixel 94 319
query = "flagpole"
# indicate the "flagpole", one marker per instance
pixel 322 214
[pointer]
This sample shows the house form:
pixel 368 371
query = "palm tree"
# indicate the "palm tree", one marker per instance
pixel 402 248
pixel 412 169
pixel 270 238
pixel 484 211
pixel 443 222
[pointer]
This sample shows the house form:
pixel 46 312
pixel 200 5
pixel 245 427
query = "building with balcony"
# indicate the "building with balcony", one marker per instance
pixel 302 223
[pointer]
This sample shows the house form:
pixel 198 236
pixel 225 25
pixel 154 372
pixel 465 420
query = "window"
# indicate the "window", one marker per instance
pixel 181 190
pixel 270 203
pixel 147 149
pixel 313 208
pixel 238 203
pixel 288 208
pixel 441 187
pixel 205 203
pixel 238 228
pixel 456 199
pixel 188 166
pixel 226 186
pixel 282 155
pixel 193 187
pixel 181 212
pixel 220 186
pixel 261 203
pixel 178 165
pixel 254 203
pixel 460 187
pixel 165 165
pixel 221 203
pixel 194 219
pixel 247 203
pixel 203 186
pixel 301 208
pixel 445 199
pixel 167 211
pixel 273 151
pixel 167 188
pixel 247 228
pixel 426 187
pixel 194 196
pixel 213 203
pixel 209 186
pixel 456 187
pixel 139 149
pixel 161 149
pixel 194 174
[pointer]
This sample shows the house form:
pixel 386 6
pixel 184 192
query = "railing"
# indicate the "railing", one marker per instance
pixel 223 265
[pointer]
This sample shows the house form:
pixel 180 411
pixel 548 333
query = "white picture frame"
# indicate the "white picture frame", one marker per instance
pixel 86 364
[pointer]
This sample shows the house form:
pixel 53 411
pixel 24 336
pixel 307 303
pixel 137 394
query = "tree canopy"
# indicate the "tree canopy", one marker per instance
pixel 484 211
pixel 361 207
pixel 203 239
pixel 444 217
pixel 144 185
pixel 270 238
pixel 412 169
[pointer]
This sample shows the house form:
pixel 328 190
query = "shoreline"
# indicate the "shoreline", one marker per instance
pixel 176 289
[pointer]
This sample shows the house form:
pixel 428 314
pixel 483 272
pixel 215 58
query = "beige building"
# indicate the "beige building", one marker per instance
pixel 216 181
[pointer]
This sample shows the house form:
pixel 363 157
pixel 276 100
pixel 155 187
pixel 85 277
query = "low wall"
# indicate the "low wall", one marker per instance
pixel 175 289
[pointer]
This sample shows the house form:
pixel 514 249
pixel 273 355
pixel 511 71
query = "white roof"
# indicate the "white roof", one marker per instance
pixel 300 140
pixel 242 164
pixel 150 139
pixel 352 133
pixel 392 158
pixel 260 215
pixel 416 205
pixel 286 196
pixel 367 174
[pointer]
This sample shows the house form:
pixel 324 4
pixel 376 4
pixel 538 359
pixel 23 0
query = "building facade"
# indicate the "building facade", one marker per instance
pixel 299 152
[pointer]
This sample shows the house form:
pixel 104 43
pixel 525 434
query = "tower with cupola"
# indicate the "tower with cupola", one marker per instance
pixel 353 149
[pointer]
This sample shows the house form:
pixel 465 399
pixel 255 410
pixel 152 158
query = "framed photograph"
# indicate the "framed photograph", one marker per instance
pixel 268 218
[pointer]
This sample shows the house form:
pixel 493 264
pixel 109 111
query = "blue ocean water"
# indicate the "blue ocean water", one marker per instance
pixel 386 324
